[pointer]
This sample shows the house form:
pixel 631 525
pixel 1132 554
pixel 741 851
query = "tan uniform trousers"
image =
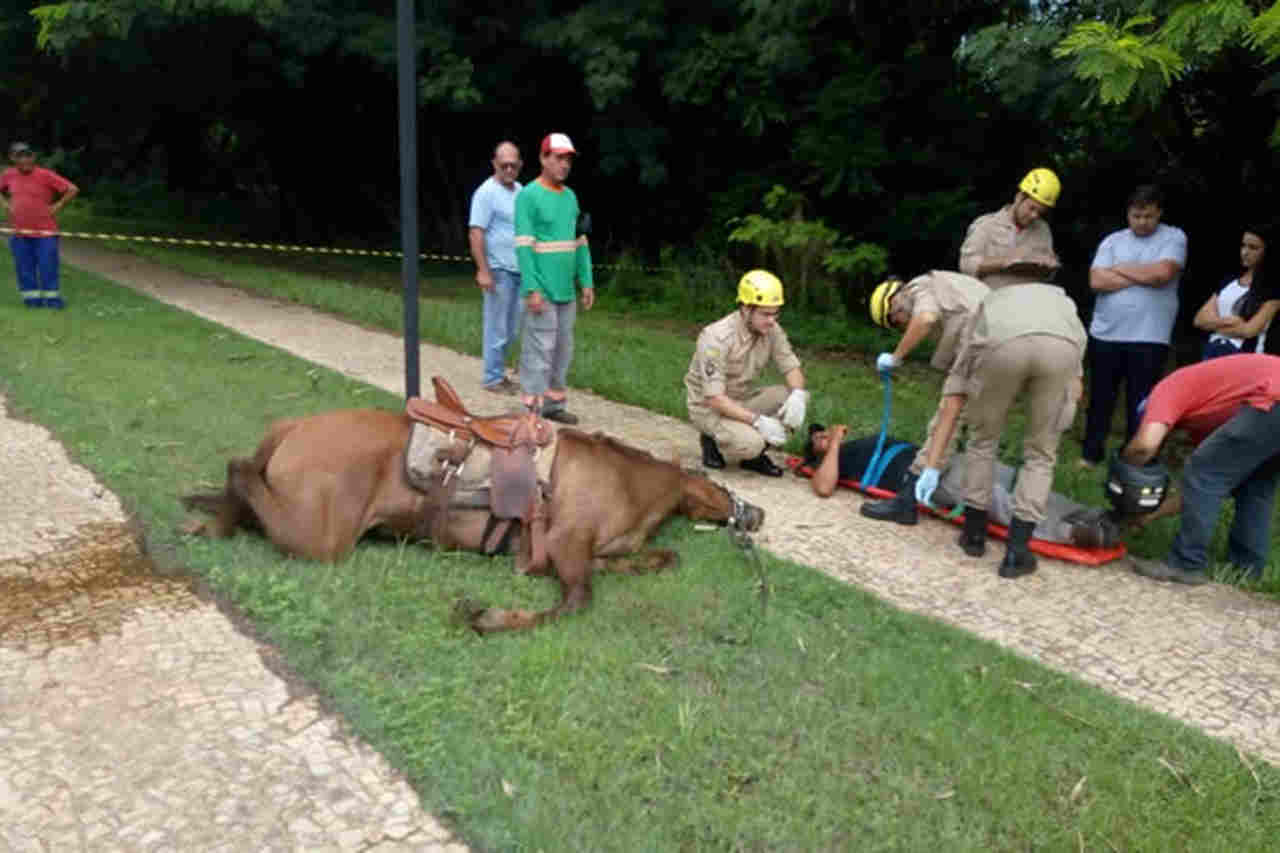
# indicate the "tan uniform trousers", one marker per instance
pixel 1044 366
pixel 922 455
pixel 737 440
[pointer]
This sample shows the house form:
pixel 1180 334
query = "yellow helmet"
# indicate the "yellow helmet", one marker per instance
pixel 1042 185
pixel 760 287
pixel 880 299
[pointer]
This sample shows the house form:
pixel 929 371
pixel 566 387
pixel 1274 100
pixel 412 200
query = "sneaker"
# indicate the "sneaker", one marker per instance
pixel 503 386
pixel 762 464
pixel 1161 571
pixel 561 416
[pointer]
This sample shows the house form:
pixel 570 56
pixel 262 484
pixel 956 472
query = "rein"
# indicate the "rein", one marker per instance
pixel 739 536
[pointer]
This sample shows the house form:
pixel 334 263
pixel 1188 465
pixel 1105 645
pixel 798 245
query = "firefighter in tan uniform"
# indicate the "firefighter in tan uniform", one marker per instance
pixel 1014 245
pixel 1026 338
pixel 936 301
pixel 729 413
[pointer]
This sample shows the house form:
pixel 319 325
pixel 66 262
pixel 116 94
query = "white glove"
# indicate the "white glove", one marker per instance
pixel 926 485
pixel 886 363
pixel 772 429
pixel 792 411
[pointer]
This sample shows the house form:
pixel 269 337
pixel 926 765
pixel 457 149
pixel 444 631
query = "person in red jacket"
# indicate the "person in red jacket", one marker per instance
pixel 33 195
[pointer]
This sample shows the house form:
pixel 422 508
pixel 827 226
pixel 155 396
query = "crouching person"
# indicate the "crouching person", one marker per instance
pixel 1228 408
pixel 1023 339
pixel 736 420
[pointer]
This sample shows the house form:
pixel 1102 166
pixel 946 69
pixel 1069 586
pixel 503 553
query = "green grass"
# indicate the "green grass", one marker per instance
pixel 674 714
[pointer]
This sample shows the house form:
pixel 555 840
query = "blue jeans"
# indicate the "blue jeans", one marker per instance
pixel 502 310
pixel 36 259
pixel 1241 458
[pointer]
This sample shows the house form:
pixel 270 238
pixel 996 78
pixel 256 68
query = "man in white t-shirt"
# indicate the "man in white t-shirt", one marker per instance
pixel 492 236
pixel 1135 275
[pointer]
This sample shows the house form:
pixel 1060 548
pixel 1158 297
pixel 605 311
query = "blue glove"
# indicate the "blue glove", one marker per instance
pixel 885 363
pixel 926 485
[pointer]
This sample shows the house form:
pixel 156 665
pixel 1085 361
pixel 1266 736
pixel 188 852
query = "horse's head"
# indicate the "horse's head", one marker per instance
pixel 706 500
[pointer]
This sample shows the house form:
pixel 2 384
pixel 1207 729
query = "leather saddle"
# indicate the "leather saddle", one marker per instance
pixel 512 440
pixel 448 414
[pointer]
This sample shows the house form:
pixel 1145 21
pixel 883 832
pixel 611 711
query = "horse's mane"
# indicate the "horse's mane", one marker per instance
pixel 616 445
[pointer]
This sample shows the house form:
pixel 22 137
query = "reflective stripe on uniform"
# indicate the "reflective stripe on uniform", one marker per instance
pixel 550 247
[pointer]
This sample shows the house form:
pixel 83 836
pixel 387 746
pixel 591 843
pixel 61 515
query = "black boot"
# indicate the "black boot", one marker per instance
pixel 762 464
pixel 900 508
pixel 711 457
pixel 973 539
pixel 1018 559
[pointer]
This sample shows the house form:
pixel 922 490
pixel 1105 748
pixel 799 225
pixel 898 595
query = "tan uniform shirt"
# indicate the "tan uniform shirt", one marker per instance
pixel 1012 312
pixel 994 235
pixel 951 297
pixel 728 357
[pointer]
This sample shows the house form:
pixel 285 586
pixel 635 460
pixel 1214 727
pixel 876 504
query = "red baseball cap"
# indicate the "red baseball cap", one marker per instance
pixel 557 143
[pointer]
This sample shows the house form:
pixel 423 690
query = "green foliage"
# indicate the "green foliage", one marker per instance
pixel 63 25
pixel 796 248
pixel 1122 62
pixel 1264 33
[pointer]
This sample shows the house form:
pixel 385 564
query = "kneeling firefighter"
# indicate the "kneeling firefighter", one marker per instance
pixel 734 418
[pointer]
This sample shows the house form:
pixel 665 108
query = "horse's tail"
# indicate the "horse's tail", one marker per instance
pixel 210 502
pixel 228 512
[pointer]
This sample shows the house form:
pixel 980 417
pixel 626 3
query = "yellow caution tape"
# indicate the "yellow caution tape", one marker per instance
pixel 274 247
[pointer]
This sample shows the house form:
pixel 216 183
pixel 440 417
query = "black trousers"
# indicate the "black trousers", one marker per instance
pixel 1136 366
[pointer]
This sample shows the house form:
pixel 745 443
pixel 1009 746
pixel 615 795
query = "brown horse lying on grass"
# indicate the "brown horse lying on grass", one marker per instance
pixel 317 484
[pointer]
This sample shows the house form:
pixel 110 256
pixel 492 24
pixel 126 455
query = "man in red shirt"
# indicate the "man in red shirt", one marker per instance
pixel 33 195
pixel 1228 408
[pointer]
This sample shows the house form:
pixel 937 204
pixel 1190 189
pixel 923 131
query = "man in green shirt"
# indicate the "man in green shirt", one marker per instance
pixel 554 262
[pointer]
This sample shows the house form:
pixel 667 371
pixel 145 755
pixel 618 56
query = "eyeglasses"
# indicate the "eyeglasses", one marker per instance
pixel 505 166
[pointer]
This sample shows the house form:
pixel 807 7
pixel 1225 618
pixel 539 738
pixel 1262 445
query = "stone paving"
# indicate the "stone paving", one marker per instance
pixel 133 714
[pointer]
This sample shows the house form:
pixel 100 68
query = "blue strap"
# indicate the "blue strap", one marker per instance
pixel 872 477
pixel 884 428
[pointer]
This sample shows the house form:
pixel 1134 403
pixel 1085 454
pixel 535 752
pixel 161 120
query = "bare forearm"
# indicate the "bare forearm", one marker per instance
pixel 475 237
pixel 722 405
pixel 944 429
pixel 917 330
pixel 66 197
pixel 794 378
pixel 1106 279
pixel 1149 275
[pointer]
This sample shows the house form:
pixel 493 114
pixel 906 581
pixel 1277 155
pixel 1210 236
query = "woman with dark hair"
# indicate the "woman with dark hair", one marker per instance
pixel 1238 315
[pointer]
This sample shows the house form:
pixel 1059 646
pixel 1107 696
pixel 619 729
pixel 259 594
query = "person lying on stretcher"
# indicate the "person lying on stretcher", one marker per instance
pixel 834 457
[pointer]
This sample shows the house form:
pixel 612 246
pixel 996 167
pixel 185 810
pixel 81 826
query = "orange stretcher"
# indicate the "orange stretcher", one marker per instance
pixel 1056 550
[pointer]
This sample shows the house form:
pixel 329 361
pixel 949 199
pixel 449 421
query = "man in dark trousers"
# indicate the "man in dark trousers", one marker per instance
pixel 1228 407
